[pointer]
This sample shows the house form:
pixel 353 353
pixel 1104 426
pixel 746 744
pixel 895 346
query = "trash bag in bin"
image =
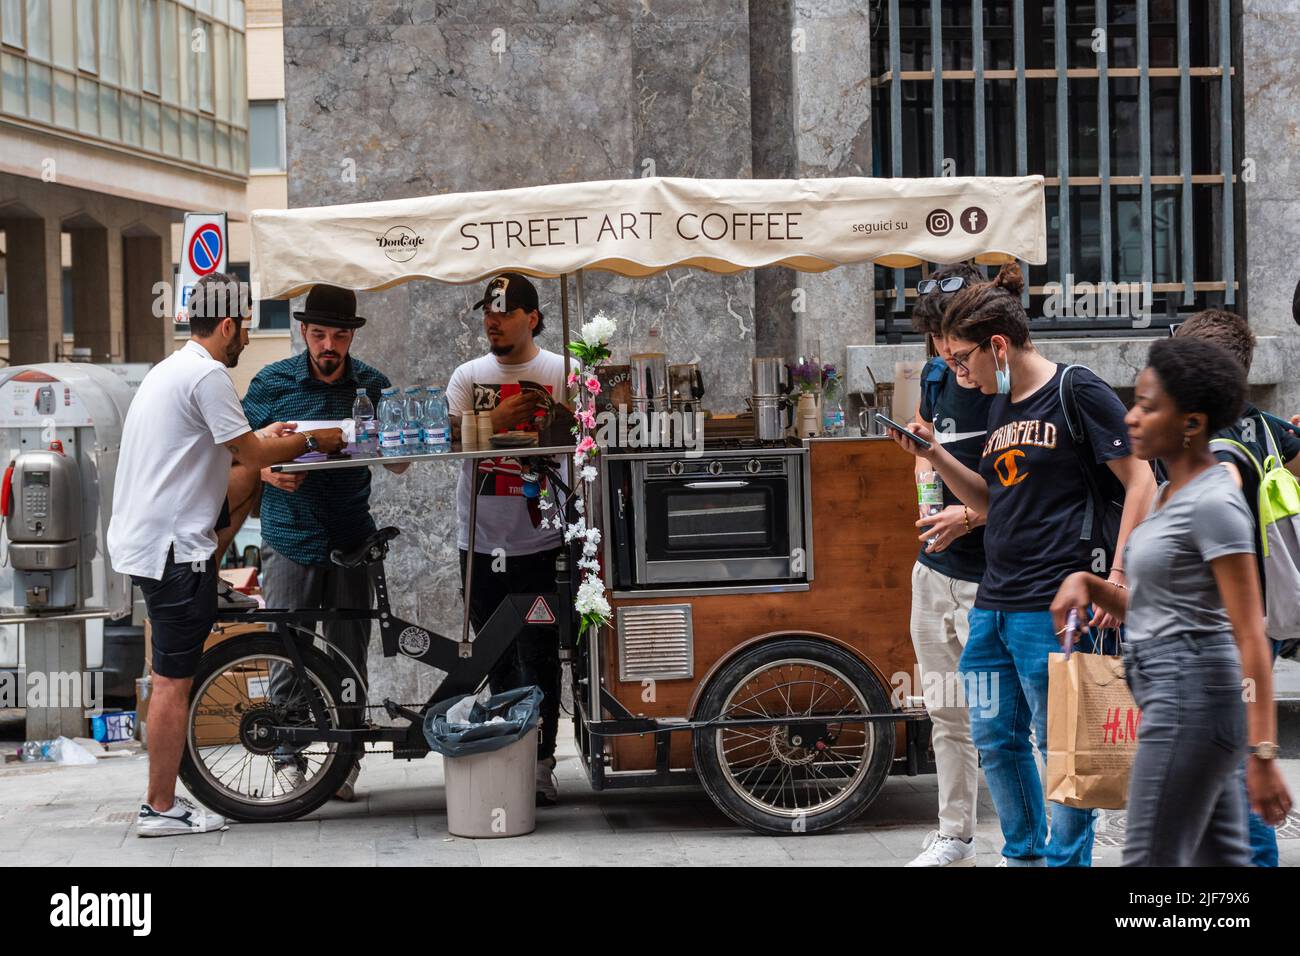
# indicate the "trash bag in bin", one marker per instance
pixel 496 723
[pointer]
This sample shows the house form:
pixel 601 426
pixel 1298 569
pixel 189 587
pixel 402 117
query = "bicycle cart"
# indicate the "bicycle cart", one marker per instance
pixel 733 659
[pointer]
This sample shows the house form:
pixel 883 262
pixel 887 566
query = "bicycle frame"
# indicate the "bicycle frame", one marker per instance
pixel 467 663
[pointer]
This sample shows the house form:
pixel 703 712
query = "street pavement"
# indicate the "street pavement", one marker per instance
pixel 53 816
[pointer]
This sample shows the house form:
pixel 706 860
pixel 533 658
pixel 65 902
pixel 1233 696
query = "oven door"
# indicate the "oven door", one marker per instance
pixel 724 529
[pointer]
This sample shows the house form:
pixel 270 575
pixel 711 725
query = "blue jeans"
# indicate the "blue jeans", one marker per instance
pixel 1263 838
pixel 1007 654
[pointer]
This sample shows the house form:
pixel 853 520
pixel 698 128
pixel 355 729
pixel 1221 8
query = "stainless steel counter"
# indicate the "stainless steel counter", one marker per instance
pixel 454 455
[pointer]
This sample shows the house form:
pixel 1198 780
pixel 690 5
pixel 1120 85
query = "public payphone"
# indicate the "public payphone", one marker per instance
pixel 41 511
pixel 60 431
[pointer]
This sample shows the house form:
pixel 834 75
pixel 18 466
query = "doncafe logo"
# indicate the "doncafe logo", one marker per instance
pixel 400 243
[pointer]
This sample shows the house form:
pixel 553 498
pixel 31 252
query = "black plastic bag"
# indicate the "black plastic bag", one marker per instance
pixel 520 709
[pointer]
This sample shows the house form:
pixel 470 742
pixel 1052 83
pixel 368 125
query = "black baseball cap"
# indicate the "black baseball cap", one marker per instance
pixel 508 291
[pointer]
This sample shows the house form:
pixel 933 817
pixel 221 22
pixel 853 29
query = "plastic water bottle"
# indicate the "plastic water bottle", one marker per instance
pixel 832 415
pixel 929 497
pixel 363 423
pixel 390 422
pixel 37 750
pixel 412 414
pixel 435 427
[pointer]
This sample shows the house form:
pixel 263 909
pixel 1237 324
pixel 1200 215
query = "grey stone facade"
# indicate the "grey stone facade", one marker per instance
pixel 417 97
pixel 397 98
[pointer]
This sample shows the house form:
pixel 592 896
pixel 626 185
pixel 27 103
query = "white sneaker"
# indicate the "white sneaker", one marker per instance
pixel 940 850
pixel 548 792
pixel 289 776
pixel 183 817
pixel 348 790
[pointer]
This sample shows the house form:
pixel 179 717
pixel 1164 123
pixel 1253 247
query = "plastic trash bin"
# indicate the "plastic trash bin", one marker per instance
pixel 490 765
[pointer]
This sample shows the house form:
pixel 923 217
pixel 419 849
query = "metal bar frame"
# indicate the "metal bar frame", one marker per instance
pixel 977 50
pixel 1062 52
pixel 896 131
pixel 936 102
pixel 1226 154
pixel 1144 138
pixel 1185 151
pixel 1103 142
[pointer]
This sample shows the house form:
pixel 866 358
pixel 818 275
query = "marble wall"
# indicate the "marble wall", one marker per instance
pixel 409 97
pixel 1271 96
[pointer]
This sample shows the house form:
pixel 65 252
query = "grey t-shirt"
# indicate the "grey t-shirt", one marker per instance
pixel 1171 586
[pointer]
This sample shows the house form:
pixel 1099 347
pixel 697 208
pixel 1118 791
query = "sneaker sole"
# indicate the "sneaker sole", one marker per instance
pixel 149 834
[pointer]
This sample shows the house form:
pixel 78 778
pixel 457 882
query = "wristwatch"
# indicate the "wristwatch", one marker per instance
pixel 311 441
pixel 1264 750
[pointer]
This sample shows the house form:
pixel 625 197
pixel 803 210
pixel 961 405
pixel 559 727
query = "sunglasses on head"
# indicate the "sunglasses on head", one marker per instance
pixel 950 284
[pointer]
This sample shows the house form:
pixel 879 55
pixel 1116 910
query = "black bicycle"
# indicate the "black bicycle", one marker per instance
pixel 279 719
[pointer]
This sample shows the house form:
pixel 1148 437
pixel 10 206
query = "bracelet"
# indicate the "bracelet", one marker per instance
pixel 965 517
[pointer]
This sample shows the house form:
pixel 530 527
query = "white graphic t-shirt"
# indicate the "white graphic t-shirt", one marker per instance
pixel 503 519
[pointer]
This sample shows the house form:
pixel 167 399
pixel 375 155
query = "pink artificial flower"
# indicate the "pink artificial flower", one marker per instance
pixel 573 378
pixel 586 445
pixel 593 385
pixel 588 418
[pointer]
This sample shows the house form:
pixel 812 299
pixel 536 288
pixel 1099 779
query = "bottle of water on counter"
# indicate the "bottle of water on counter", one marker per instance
pixel 929 497
pixel 363 424
pixel 435 429
pixel 412 414
pixel 390 422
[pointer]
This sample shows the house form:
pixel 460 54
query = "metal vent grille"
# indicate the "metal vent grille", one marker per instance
pixel 655 642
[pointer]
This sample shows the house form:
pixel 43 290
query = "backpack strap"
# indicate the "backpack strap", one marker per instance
pixel 1078 437
pixel 932 376
pixel 1241 452
pixel 1274 459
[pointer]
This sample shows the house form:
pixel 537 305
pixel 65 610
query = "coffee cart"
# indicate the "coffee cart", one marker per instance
pixel 760 589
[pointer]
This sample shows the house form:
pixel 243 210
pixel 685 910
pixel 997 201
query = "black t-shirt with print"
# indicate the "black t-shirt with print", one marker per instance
pixel 960 418
pixel 1037 494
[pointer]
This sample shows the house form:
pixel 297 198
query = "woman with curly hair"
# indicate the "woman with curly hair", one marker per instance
pixel 1195 624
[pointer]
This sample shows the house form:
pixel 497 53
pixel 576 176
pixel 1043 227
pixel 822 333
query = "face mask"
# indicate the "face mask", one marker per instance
pixel 1003 375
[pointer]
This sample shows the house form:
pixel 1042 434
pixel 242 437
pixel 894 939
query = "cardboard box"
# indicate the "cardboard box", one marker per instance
pixel 218 721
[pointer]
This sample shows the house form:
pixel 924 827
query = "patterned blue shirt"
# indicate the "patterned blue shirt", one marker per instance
pixel 331 508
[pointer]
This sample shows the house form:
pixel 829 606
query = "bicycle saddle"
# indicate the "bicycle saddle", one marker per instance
pixel 372 549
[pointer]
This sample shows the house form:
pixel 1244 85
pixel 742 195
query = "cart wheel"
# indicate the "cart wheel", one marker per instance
pixel 806 775
pixel 229 766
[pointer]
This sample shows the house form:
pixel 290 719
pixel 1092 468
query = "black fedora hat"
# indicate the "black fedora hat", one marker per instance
pixel 333 306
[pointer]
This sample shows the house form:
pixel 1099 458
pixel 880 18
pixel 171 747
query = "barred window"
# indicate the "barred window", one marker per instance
pixel 1129 112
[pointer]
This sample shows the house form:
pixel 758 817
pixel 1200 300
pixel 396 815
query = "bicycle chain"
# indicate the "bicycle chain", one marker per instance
pixel 326 753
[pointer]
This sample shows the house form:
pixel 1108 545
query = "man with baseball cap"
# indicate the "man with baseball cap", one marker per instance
pixel 183 429
pixel 511 553
pixel 307 515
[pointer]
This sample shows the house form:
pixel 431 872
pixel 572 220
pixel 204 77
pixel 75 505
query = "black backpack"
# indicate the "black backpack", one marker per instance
pixel 1105 505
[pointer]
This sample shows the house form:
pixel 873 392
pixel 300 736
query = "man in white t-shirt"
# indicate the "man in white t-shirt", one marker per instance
pixel 501 383
pixel 183 430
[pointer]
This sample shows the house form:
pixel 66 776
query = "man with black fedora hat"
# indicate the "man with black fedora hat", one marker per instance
pixel 306 515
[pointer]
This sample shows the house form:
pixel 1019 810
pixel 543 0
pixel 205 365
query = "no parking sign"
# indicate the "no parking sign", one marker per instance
pixel 203 251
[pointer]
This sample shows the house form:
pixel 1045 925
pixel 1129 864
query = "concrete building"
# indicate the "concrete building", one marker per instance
pixel 115 117
pixel 408 97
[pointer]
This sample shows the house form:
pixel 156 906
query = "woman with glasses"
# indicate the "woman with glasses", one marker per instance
pixel 1031 487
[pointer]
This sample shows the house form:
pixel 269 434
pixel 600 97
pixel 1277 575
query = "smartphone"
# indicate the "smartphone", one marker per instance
pixel 890 423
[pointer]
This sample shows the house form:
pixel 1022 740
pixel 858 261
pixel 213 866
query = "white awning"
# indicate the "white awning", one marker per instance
pixel 638 227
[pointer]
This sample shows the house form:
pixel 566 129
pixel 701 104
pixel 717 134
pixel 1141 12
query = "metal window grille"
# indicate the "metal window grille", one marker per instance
pixel 1130 111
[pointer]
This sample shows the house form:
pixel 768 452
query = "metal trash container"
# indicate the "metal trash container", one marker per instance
pixel 490 765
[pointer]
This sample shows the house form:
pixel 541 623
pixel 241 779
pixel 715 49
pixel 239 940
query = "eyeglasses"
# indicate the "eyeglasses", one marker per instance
pixel 1173 329
pixel 950 284
pixel 958 362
